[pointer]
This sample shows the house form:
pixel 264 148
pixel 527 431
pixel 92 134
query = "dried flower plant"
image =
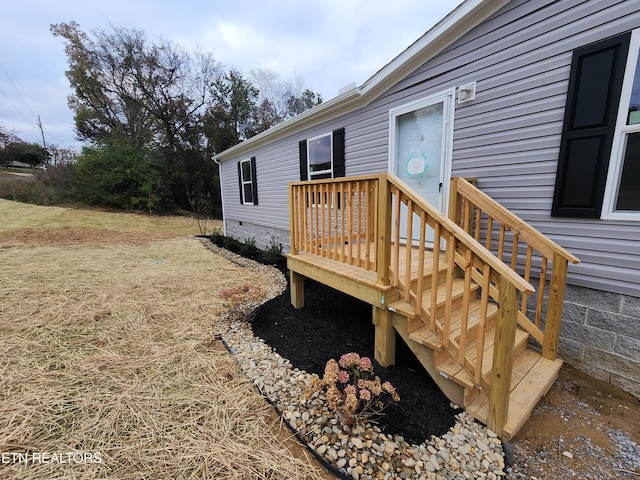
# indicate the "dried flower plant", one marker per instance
pixel 242 300
pixel 352 389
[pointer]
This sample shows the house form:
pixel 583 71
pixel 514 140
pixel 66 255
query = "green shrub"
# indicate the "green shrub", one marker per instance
pixel 248 248
pixel 117 174
pixel 45 187
pixel 273 253
pixel 232 244
pixel 217 237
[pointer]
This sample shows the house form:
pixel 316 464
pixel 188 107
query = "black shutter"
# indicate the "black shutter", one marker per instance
pixel 338 153
pixel 304 175
pixel 240 182
pixel 593 98
pixel 254 181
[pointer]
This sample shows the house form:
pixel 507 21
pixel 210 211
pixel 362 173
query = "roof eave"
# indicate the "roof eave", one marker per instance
pixel 341 104
pixel 461 20
pixel 465 17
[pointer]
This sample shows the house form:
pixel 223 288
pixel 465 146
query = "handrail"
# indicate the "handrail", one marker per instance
pixel 484 219
pixel 521 284
pixel 532 236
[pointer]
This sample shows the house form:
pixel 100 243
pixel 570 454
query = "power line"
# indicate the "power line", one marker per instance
pixel 14 106
pixel 9 74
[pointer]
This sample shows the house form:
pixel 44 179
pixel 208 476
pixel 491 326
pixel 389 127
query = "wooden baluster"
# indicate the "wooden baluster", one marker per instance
pixel 501 242
pixel 375 223
pixel 293 219
pixel 489 232
pixel 333 216
pixel 419 286
pixel 409 234
pixel 527 277
pixel 342 203
pixel 514 252
pixel 322 205
pixel 478 223
pixel 466 300
pixel 396 239
pixel 451 263
pixel 468 215
pixel 482 321
pixel 435 276
pixel 455 202
pixel 310 202
pixel 541 289
pixel 367 224
pixel 359 224
pixel 304 212
pixel 316 203
pixel 350 220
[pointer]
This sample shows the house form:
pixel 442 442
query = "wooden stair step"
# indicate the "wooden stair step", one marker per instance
pixel 520 345
pixel 473 318
pixel 449 367
pixel 531 379
pixel 451 370
pixel 427 270
pixel 426 337
pixel 457 293
pixel 404 308
pixel 407 309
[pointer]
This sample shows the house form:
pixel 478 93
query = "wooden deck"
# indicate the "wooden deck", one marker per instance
pixel 463 309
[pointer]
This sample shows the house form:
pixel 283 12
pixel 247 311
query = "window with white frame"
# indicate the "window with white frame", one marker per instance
pixel 248 182
pixel 622 193
pixel 320 156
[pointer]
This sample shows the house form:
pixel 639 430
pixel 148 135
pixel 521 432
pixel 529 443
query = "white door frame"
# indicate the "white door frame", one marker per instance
pixel 447 97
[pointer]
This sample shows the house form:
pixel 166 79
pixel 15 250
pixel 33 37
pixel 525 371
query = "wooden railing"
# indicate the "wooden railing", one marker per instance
pixel 426 232
pixel 527 251
pixel 336 219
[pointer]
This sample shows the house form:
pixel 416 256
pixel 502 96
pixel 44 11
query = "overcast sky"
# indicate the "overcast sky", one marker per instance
pixel 329 43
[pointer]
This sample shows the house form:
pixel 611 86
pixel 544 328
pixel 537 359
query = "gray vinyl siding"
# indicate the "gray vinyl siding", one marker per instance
pixel 508 137
pixel 275 167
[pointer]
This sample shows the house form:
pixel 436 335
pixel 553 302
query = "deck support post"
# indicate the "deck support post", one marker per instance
pixel 296 282
pixel 385 337
pixel 554 307
pixel 500 389
pixel 383 234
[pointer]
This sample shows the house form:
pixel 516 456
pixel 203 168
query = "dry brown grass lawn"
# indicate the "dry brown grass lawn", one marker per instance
pixel 106 328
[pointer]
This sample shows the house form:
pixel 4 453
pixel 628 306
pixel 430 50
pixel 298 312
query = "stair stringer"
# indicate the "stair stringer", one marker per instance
pixel 454 392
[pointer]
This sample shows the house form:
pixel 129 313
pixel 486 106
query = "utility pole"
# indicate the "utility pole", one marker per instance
pixel 44 144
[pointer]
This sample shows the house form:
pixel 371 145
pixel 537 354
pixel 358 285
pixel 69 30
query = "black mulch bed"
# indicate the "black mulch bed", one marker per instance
pixel 332 324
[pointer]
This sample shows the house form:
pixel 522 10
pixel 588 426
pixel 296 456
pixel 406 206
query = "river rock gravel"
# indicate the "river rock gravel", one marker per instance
pixel 468 450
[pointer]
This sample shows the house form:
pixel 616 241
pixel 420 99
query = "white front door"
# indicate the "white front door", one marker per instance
pixel 420 150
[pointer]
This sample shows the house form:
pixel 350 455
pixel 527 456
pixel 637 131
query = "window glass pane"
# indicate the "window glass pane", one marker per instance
pixel 320 154
pixel 634 104
pixel 248 193
pixel 246 171
pixel 629 192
